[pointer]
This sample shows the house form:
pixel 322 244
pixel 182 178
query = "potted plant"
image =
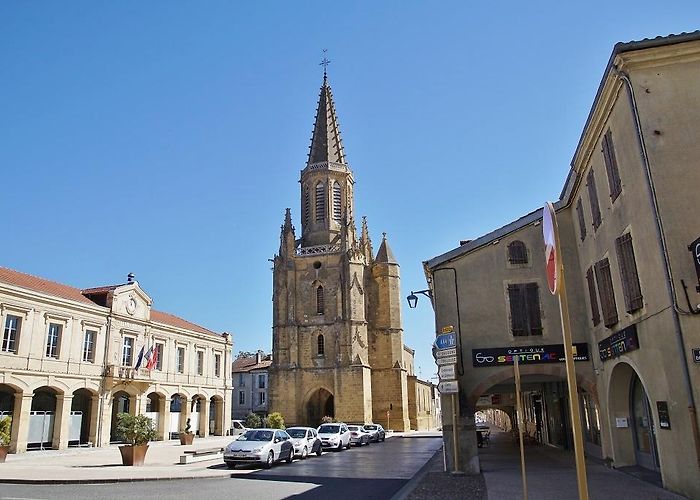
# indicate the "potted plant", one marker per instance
pixel 137 430
pixel 187 436
pixel 5 426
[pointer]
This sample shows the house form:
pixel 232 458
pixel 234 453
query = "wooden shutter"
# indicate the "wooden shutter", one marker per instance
pixel 611 166
pixel 606 292
pixel 517 310
pixel 595 314
pixel 593 196
pixel 628 273
pixel 517 252
pixel 533 308
pixel 581 220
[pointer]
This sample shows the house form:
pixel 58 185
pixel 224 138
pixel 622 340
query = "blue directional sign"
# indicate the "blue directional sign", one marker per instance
pixel 446 340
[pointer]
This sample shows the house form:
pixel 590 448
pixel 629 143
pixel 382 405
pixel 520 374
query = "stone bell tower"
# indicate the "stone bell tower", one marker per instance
pixel 337 340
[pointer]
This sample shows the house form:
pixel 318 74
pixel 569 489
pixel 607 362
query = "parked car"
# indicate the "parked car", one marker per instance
pixel 358 435
pixel 264 446
pixel 334 435
pixel 376 432
pixel 237 427
pixel 305 441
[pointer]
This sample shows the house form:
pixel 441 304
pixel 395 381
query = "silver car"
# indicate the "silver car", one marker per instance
pixel 358 435
pixel 305 441
pixel 264 446
pixel 336 436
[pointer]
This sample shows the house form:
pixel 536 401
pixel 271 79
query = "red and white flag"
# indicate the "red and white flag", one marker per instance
pixel 551 259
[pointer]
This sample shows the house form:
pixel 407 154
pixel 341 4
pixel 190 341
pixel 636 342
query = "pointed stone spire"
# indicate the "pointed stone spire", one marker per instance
pixel 287 238
pixel 365 241
pixel 385 255
pixel 288 222
pixel 326 143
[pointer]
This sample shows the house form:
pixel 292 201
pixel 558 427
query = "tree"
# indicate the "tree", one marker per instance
pixel 5 426
pixel 136 429
pixel 275 420
pixel 252 421
pixel 249 354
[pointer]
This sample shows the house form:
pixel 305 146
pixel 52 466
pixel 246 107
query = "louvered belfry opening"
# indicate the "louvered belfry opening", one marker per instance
pixel 321 345
pixel 320 202
pixel 337 205
pixel 319 300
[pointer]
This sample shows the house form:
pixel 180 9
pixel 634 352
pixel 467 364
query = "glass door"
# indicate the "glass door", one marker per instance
pixel 643 427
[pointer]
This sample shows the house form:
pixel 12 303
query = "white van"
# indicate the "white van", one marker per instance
pixel 237 427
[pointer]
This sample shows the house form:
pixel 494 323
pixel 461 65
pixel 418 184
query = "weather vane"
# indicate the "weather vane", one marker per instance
pixel 324 63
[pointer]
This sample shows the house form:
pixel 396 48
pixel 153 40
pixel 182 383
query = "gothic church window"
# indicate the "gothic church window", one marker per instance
pixel 321 345
pixel 336 201
pixel 517 252
pixel 320 202
pixel 319 300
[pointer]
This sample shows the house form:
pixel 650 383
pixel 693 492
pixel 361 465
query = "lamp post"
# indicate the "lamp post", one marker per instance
pixel 413 298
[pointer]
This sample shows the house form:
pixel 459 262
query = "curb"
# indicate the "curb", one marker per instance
pixel 112 480
pixel 408 488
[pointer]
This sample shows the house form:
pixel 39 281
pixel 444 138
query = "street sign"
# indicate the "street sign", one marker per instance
pixel 448 387
pixel 450 360
pixel 446 340
pixel 443 353
pixel 551 243
pixel 447 372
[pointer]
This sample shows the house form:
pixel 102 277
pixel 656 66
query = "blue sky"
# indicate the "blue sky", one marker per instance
pixel 166 138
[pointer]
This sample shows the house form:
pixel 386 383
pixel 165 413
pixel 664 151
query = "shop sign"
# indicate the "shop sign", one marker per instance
pixel 694 248
pixel 619 343
pixel 530 355
pixel 664 419
pixel 696 355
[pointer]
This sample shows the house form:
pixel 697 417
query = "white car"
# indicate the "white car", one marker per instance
pixel 237 427
pixel 335 435
pixel 305 441
pixel 264 446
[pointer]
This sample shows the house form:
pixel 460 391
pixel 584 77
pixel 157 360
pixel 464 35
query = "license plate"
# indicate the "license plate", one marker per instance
pixel 239 455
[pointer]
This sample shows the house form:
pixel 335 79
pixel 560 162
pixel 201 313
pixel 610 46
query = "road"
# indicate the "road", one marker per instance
pixel 371 472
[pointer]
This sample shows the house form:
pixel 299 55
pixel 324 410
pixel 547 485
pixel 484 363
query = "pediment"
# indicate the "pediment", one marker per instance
pixel 130 300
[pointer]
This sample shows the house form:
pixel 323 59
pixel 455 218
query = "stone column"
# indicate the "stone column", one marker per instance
pixel 163 418
pixel 105 417
pixel 94 416
pixel 204 419
pixel 20 422
pixel 61 425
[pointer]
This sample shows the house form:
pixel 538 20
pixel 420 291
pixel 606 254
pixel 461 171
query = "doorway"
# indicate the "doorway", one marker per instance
pixel 643 427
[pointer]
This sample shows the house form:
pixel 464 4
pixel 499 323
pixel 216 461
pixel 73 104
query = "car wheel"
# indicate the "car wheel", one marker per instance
pixel 340 446
pixel 304 453
pixel 348 445
pixel 270 460
pixel 320 451
pixel 383 438
pixel 290 458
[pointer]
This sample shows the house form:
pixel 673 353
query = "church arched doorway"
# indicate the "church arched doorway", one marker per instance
pixel 320 404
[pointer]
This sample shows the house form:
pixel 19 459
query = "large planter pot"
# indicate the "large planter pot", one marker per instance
pixel 133 455
pixel 186 438
pixel 4 450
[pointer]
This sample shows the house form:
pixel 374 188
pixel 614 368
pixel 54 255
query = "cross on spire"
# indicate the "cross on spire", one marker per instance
pixel 325 62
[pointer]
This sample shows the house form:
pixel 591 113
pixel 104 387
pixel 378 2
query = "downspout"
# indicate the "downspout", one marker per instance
pixel 670 287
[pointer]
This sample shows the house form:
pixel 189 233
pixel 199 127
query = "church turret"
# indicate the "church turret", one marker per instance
pixel 366 242
pixel 287 238
pixel 327 181
pixel 386 274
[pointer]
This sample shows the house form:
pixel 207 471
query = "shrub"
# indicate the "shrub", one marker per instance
pixel 136 429
pixel 327 420
pixel 252 421
pixel 188 427
pixel 5 426
pixel 275 420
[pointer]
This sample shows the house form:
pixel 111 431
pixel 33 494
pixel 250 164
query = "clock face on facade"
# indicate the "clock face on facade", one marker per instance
pixel 131 305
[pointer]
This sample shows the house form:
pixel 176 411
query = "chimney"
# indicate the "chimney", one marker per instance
pixel 130 278
pixel 258 358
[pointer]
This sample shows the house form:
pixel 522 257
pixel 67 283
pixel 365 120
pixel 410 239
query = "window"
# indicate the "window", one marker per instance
pixel 261 381
pixel 606 292
pixel 217 365
pixel 593 197
pixel 241 380
pixel 525 309
pixel 159 357
pixel 89 346
pixel 53 340
pixel 241 397
pixel 320 202
pixel 628 273
pixel 517 252
pixel 319 300
pixel 595 314
pixel 336 201
pixel 611 166
pixel 581 219
pixel 200 362
pixel 261 398
pixel 127 351
pixel 10 338
pixel 181 360
pixel 321 345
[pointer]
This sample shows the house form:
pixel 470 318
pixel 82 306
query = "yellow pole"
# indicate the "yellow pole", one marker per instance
pixel 573 392
pixel 455 447
pixel 518 413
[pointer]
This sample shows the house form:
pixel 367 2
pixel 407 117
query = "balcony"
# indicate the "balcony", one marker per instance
pixel 124 373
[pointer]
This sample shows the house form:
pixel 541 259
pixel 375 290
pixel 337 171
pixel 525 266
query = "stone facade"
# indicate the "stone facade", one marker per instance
pixel 626 219
pixel 337 337
pixel 68 364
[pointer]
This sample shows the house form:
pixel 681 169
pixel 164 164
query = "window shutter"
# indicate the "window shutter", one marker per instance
pixel 595 314
pixel 581 220
pixel 628 273
pixel 517 310
pixel 611 166
pixel 517 252
pixel 606 292
pixel 533 308
pixel 593 196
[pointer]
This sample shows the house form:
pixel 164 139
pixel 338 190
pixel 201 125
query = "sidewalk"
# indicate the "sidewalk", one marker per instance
pixel 551 475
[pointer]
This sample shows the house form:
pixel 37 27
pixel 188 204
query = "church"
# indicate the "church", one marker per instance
pixel 337 338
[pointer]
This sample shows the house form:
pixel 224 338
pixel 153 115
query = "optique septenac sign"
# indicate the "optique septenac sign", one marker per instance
pixel 530 355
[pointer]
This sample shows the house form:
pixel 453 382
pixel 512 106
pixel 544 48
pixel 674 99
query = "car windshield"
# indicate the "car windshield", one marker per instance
pixel 329 429
pixel 371 427
pixel 256 436
pixel 296 433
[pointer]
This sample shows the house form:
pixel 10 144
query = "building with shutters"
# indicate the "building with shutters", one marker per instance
pixel 69 362
pixel 626 219
pixel 250 385
pixel 338 347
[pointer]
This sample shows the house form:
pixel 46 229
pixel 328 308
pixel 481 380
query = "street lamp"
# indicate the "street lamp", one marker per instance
pixel 413 298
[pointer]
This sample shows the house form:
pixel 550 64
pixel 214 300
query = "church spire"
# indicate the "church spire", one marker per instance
pixel 385 255
pixel 287 238
pixel 365 241
pixel 326 143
